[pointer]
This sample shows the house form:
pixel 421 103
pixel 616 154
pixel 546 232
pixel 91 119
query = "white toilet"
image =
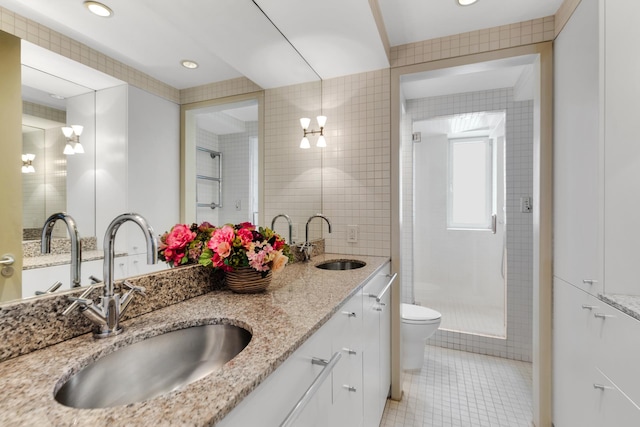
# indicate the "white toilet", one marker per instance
pixel 418 324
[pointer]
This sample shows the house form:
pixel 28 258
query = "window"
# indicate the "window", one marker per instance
pixel 470 203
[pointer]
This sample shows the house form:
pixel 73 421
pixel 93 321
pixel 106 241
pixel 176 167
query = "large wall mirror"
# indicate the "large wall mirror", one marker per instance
pixel 57 92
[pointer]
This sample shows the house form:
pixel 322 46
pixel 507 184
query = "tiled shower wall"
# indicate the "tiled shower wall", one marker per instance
pixel 519 177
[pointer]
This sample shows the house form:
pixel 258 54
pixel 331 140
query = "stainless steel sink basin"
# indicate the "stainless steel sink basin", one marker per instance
pixel 154 366
pixel 341 264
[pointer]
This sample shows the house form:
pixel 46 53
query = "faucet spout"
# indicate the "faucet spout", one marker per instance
pixel 307 246
pixel 76 252
pixel 109 246
pixel 288 218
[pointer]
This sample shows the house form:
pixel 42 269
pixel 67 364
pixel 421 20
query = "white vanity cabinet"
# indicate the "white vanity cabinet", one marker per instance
pixel 377 347
pixel 355 392
pixel 595 363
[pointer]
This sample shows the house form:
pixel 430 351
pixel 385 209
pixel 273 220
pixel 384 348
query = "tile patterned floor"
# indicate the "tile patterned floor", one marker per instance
pixel 461 389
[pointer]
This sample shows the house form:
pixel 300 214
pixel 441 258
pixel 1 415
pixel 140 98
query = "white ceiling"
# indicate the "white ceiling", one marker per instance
pixel 233 38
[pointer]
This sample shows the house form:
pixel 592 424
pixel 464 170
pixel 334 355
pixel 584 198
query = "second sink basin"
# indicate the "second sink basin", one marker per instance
pixel 153 366
pixel 341 264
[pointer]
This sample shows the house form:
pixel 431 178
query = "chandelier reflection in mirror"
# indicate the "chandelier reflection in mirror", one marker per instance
pixel 73 140
pixel 27 163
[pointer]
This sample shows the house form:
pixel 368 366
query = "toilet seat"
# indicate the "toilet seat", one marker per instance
pixel 417 314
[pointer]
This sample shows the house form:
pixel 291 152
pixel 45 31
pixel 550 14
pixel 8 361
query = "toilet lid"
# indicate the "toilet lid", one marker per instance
pixel 416 312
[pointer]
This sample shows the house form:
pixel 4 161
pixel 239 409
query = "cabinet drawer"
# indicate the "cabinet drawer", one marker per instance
pixel 619 349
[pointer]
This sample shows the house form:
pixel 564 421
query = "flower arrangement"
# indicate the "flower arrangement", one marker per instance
pixel 242 245
pixel 226 248
pixel 184 244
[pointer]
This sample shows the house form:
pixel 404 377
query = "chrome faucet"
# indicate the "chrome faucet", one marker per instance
pixel 106 315
pixel 288 218
pixel 76 252
pixel 306 247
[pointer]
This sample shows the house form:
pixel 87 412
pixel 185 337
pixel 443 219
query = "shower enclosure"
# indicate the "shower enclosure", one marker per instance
pixel 459 220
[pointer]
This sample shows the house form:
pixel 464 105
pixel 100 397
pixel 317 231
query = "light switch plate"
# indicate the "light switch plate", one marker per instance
pixel 526 204
pixel 352 234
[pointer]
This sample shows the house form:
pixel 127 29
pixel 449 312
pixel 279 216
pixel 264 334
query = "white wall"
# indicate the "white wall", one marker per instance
pixel 81 171
pixel 153 164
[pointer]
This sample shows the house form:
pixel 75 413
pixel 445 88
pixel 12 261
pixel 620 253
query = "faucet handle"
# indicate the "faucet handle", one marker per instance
pixel 94 280
pixel 134 288
pixel 81 301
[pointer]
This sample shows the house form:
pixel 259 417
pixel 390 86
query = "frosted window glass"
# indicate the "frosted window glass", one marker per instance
pixel 470 184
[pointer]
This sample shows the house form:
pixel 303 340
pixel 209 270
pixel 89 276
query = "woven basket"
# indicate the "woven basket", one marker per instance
pixel 246 280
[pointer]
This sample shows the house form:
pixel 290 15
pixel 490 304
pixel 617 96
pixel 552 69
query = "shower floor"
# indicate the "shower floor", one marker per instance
pixel 464 314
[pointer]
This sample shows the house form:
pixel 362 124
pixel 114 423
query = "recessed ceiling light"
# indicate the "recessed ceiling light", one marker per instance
pixel 187 63
pixel 98 9
pixel 466 2
pixel 56 96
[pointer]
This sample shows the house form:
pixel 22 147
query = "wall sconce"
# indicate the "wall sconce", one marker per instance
pixel 27 163
pixel 73 139
pixel 305 122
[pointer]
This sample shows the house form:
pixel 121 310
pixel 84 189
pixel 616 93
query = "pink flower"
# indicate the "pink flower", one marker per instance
pixel 246 236
pixel 224 249
pixel 180 236
pixel 224 234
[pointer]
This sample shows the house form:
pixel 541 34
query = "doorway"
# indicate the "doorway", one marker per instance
pixel 540 291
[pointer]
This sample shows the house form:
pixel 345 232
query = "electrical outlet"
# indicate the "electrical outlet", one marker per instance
pixel 352 233
pixel 526 204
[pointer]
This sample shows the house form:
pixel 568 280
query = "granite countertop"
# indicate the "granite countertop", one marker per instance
pixel 299 300
pixel 49 260
pixel 628 304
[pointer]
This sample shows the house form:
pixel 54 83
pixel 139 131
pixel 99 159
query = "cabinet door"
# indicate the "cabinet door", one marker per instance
pixel 385 348
pixel 573 356
pixel 578 178
pixel 622 151
pixel 373 378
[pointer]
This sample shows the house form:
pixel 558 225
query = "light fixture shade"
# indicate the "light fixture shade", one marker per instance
pixel 28 157
pixel 67 131
pixel 321 142
pixel 322 120
pixel 98 9
pixel 30 169
pixel 305 122
pixel 68 150
pixel 466 2
pixel 78 148
pixel 77 129
pixel 305 143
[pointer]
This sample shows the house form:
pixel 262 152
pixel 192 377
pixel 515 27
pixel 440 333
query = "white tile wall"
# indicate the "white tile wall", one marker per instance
pixel 519 170
pixel 292 176
pixel 356 163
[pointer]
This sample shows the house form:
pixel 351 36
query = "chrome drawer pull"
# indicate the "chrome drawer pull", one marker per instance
pixel 602 315
pixel 350 351
pixel 350 388
pixel 589 307
pixel 589 281
pixel 313 388
pixel 601 387
pixel 349 313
